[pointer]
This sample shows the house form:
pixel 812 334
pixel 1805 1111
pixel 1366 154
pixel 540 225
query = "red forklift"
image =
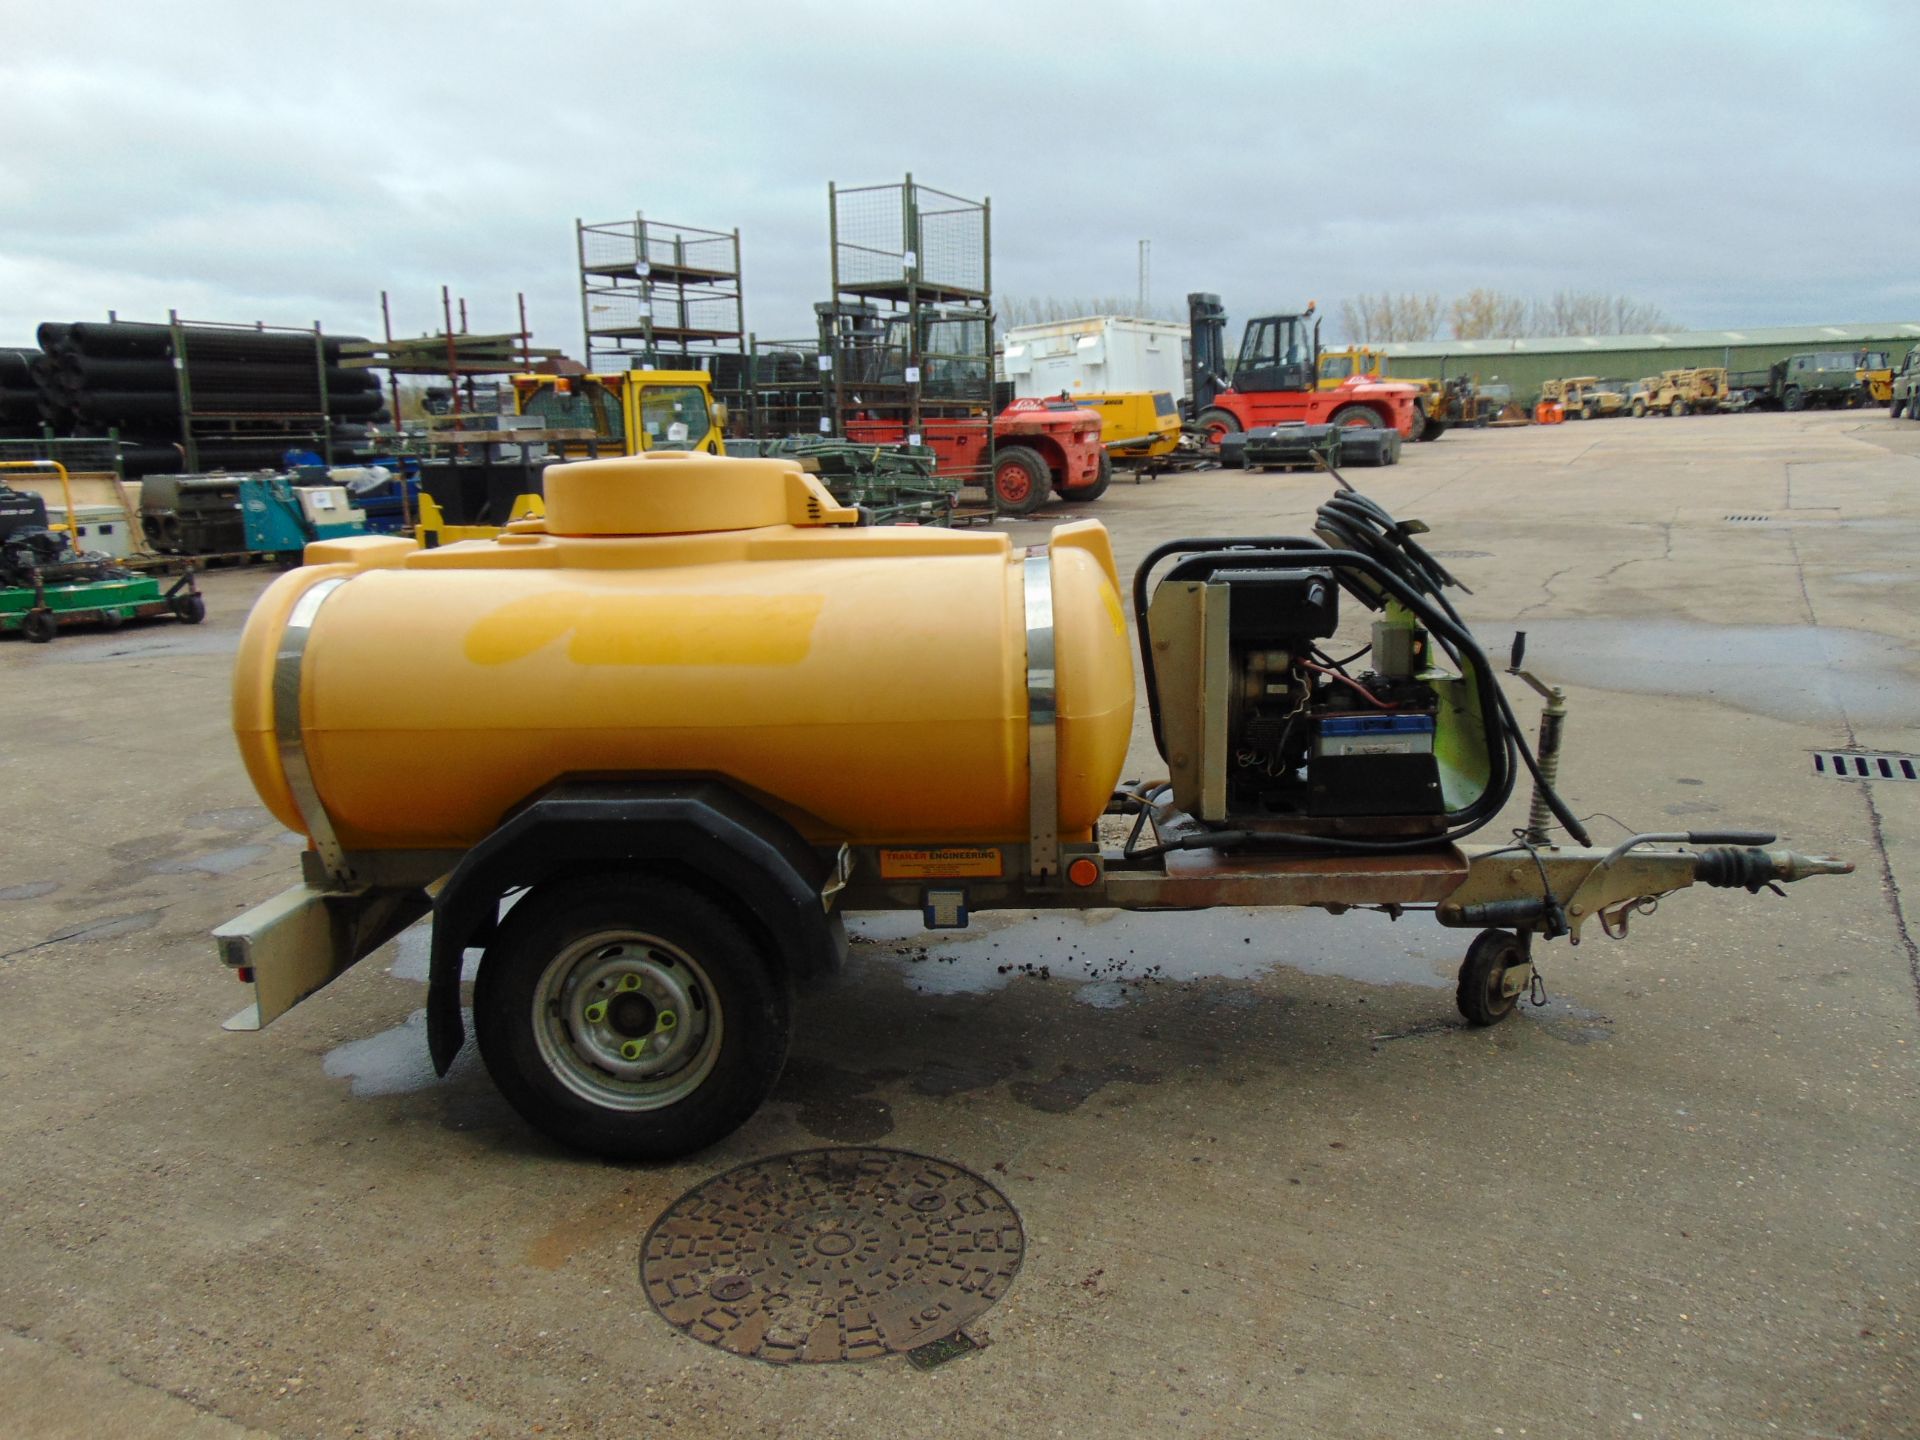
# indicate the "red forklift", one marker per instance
pixel 1030 450
pixel 1275 379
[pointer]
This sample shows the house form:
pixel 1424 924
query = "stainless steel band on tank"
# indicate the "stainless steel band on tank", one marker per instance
pixel 1043 800
pixel 288 666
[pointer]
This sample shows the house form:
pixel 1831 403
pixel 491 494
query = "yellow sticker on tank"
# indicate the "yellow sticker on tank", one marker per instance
pixel 939 864
pixel 678 629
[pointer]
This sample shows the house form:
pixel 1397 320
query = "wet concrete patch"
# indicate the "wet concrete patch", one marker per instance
pixel 836 1104
pixel 1073 1086
pixel 156 644
pixel 234 817
pixel 1789 672
pixel 32 890
pixel 108 928
pixel 213 862
pixel 395 1061
pixel 943 1079
pixel 1115 956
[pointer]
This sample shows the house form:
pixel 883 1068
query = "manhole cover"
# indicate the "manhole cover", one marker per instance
pixel 831 1255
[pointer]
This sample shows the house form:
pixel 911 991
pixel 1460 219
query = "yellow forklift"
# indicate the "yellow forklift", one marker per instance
pixel 629 412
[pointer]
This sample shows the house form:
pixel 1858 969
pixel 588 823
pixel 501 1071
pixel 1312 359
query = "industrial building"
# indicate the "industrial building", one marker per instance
pixel 1525 363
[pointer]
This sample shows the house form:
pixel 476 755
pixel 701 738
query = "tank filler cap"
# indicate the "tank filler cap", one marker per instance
pixel 685 493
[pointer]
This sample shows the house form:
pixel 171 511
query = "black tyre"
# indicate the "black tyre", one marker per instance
pixel 1021 480
pixel 1893 409
pixel 1793 399
pixel 39 626
pixel 1590 413
pixel 1482 973
pixel 1097 488
pixel 630 1017
pixel 1434 429
pixel 190 608
pixel 1215 424
pixel 1358 416
pixel 1639 408
pixel 1420 421
pixel 111 619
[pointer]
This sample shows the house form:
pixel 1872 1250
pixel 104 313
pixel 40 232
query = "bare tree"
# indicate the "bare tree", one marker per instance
pixel 1369 318
pixel 1594 313
pixel 1483 314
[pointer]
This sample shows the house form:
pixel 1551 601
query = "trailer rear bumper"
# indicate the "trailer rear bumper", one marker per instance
pixel 292 945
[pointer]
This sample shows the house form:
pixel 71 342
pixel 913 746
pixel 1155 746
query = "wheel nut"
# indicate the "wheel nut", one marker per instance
pixel 633 1050
pixel 666 1021
pixel 596 1012
pixel 629 982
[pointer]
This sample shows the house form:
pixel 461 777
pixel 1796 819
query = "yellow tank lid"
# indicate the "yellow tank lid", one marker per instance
pixel 684 493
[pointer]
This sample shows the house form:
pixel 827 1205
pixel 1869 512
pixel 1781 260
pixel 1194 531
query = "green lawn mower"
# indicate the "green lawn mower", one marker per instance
pixel 47 583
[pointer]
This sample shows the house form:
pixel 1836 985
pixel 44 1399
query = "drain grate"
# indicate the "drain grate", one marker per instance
pixel 1866 765
pixel 829 1255
pixel 1750 519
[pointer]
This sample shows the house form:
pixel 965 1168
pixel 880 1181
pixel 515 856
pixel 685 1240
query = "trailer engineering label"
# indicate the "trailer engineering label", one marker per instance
pixel 939 863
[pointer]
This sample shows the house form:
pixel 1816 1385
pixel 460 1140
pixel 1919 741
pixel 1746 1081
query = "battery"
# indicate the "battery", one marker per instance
pixel 1374 735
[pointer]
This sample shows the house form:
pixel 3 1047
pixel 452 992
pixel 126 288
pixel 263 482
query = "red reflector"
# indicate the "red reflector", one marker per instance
pixel 1083 872
pixel 245 972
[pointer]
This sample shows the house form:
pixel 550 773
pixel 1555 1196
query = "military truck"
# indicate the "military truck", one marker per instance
pixel 1811 379
pixel 1904 388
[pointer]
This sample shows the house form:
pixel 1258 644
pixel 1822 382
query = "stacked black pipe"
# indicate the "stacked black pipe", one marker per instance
pixel 19 394
pixel 245 396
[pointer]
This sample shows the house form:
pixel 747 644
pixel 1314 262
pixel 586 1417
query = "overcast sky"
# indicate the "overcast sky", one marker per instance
pixel 1735 164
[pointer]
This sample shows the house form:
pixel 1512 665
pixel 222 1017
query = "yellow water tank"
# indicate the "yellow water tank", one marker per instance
pixel 673 615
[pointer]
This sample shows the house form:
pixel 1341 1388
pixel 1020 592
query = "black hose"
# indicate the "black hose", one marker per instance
pixel 1375 558
pixel 1352 520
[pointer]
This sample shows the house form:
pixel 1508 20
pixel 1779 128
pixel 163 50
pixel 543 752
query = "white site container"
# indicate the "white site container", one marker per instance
pixel 1098 355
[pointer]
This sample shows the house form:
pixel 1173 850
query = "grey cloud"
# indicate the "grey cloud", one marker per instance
pixel 1735 165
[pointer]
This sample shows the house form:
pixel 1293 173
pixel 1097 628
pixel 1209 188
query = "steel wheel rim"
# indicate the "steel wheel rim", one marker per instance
pixel 627 1021
pixel 1021 482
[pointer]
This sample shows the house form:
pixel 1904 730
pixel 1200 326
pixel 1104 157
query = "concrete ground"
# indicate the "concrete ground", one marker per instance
pixel 1271 1187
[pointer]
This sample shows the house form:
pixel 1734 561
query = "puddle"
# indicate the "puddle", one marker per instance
pixel 1788 672
pixel 32 890
pixel 214 862
pixel 1111 954
pixel 396 1061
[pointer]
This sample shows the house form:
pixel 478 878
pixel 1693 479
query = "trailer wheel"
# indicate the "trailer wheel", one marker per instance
pixel 1492 954
pixel 1793 399
pixel 39 626
pixel 1020 480
pixel 190 608
pixel 111 619
pixel 1360 417
pixel 631 1017
pixel 1097 488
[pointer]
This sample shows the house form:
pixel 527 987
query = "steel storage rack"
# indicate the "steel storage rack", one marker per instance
pixel 912 336
pixel 655 296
